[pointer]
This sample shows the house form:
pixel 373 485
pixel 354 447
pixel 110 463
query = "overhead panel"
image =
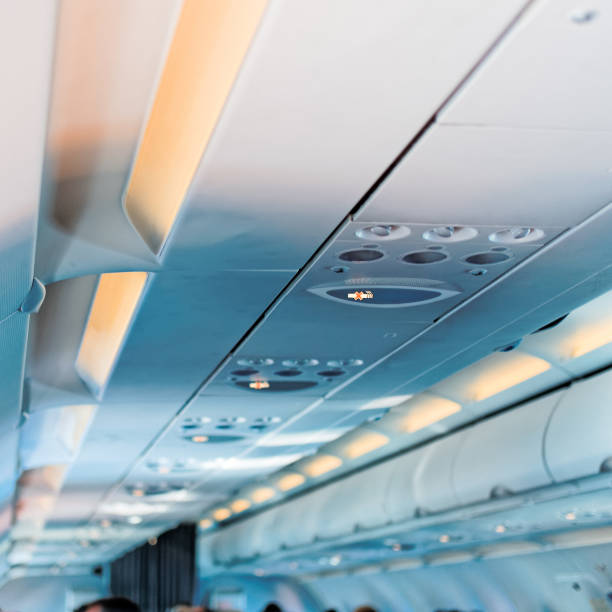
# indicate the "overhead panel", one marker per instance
pixel 491 321
pixel 526 177
pixel 256 231
pixel 27 35
pixel 209 43
pixel 230 220
pixel 107 61
pixel 291 155
pixel 558 49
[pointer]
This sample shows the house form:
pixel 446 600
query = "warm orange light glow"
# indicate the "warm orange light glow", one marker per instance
pixel 259 384
pixel 263 494
pixel 240 505
pixel 365 443
pixel 206 523
pixel 112 311
pixel 507 373
pixel 589 338
pixel 321 464
pixel 220 514
pixel 491 375
pixel 199 439
pixel 137 492
pixel 425 410
pixel 209 45
pixel 290 481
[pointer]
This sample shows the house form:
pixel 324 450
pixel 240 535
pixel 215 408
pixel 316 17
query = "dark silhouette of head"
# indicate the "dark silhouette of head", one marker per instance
pixel 110 604
pixel 272 607
pixel 365 609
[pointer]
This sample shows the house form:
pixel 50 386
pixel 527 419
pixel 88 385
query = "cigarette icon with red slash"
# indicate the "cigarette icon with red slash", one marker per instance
pixel 361 295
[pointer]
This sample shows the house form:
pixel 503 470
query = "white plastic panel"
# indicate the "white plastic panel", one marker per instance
pixel 285 527
pixel 400 499
pixel 433 479
pixel 505 452
pixel 26 51
pixel 519 177
pixel 578 439
pixel 315 138
pixel 103 85
pixel 370 489
pixel 307 515
pixel 336 518
pixel 263 536
pixel 546 73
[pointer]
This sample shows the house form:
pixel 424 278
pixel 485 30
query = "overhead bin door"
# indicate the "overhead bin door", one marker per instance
pixel 578 440
pixel 504 453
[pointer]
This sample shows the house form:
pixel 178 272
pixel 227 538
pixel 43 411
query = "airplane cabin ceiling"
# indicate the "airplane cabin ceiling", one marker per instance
pixel 386 201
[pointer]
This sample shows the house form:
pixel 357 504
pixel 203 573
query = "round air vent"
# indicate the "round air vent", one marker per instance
pixel 361 255
pixel 304 363
pixel 386 292
pixel 288 373
pixel 140 490
pixel 350 363
pixel 383 232
pixel 256 361
pixel 487 258
pixel 424 257
pixel 514 235
pixel 275 386
pixel 245 372
pixel 195 422
pixel 450 233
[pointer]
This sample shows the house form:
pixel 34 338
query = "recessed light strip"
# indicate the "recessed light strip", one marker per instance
pixel 209 45
pixel 115 303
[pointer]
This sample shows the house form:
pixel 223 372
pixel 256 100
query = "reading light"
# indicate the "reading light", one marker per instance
pixel 220 514
pixel 199 439
pixel 259 384
pixel 290 481
pixel 135 520
pixel 117 297
pixel 365 443
pixel 210 41
pixel 570 516
pixel 205 523
pixel 263 494
pixel 425 410
pixel 444 539
pixel 138 492
pixel 321 464
pixel 240 505
pixel 500 529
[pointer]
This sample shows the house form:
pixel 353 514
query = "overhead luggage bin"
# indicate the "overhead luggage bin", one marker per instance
pixel 433 479
pixel 400 499
pixel 503 455
pixel 578 441
pixel 370 507
pixel 336 517
pixel 307 516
